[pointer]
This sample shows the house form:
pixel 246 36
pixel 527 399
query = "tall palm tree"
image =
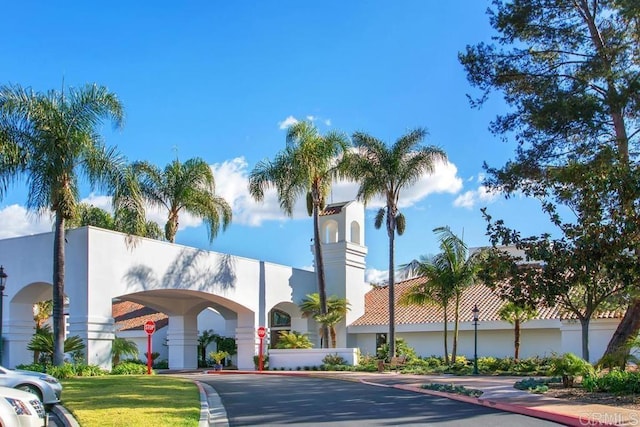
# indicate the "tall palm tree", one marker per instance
pixel 306 167
pixel 336 311
pixel 385 171
pixel 184 187
pixel 516 314
pixel 56 135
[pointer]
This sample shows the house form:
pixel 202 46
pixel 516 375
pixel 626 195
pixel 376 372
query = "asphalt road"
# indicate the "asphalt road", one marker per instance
pixel 277 400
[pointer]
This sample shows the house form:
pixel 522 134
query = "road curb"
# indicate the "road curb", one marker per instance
pixel 64 416
pixel 569 420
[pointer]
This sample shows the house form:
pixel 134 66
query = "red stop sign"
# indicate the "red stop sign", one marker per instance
pixel 149 327
pixel 262 332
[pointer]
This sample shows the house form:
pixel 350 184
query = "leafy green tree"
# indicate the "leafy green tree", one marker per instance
pixel 122 347
pixel 384 171
pixel 183 187
pixel 306 167
pixel 555 273
pixel 445 276
pixel 516 315
pixel 336 311
pixel 55 135
pixel 570 70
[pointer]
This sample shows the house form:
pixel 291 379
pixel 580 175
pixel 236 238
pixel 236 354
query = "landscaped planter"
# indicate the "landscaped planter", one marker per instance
pixel 299 358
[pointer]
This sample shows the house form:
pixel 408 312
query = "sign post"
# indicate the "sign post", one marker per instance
pixel 262 332
pixel 149 328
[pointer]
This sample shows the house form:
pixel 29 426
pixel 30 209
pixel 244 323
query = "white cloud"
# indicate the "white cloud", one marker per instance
pixel 311 118
pixel 232 183
pixel 443 180
pixel 371 275
pixel 287 122
pixel 471 198
pixel 17 221
pixel 327 122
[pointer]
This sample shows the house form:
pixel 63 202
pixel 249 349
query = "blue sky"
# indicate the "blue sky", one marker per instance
pixel 220 80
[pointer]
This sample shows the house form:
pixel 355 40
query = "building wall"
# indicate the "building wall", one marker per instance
pixel 538 338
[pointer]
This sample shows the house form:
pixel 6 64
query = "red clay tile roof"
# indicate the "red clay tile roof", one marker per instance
pixel 130 316
pixel 333 209
pixel 377 307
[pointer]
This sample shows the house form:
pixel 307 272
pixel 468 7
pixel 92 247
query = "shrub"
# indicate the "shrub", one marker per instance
pixel 450 388
pixel 83 370
pixel 620 382
pixel 536 385
pixel 402 349
pixel 35 367
pixel 292 340
pixel 161 364
pixel 127 368
pixel 568 366
pixel 66 370
pixel 265 361
pixel 333 359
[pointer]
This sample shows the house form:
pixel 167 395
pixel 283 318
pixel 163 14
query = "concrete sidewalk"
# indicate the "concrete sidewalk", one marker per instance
pixel 498 393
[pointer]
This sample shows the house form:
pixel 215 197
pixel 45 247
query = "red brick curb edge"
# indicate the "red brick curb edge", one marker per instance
pixel 570 420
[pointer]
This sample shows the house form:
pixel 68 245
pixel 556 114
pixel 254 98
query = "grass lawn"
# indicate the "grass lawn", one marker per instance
pixel 132 400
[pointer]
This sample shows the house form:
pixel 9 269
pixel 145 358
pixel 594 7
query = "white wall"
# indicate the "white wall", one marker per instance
pixel 538 338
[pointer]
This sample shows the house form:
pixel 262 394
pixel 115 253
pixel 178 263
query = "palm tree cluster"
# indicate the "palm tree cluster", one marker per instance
pixel 309 164
pixel 51 140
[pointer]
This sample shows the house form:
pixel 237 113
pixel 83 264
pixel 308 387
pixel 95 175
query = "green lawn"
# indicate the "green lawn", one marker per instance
pixel 132 400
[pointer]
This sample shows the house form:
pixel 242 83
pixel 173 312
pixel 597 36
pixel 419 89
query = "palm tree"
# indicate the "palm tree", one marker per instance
pixel 42 342
pixel 516 314
pixel 122 347
pixel 432 290
pixel 460 270
pixel 306 167
pixel 385 171
pixel 206 337
pixel 42 311
pixel 56 135
pixel 336 311
pixel 184 187
pixel 123 220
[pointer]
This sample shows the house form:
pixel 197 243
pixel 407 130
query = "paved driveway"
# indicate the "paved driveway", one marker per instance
pixel 279 400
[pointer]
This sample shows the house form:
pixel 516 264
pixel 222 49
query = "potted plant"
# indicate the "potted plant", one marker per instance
pixel 218 357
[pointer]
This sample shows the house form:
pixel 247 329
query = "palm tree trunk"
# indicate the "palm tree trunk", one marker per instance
pixel 446 335
pixel 516 343
pixel 322 290
pixel 58 291
pixel 456 316
pixel 334 341
pixel 392 311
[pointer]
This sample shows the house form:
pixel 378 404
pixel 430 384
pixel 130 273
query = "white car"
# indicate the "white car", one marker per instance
pixel 20 409
pixel 47 388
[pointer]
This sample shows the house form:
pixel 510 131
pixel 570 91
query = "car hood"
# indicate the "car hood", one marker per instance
pixel 34 374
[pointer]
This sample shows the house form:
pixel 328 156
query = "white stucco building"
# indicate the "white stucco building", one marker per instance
pixel 198 290
pixel 179 281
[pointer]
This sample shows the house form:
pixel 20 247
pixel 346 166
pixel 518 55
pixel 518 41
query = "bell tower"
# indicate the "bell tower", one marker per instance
pixel 343 250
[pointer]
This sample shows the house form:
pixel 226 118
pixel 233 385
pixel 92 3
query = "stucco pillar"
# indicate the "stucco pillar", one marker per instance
pixel 182 339
pixel 18 329
pixel 98 333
